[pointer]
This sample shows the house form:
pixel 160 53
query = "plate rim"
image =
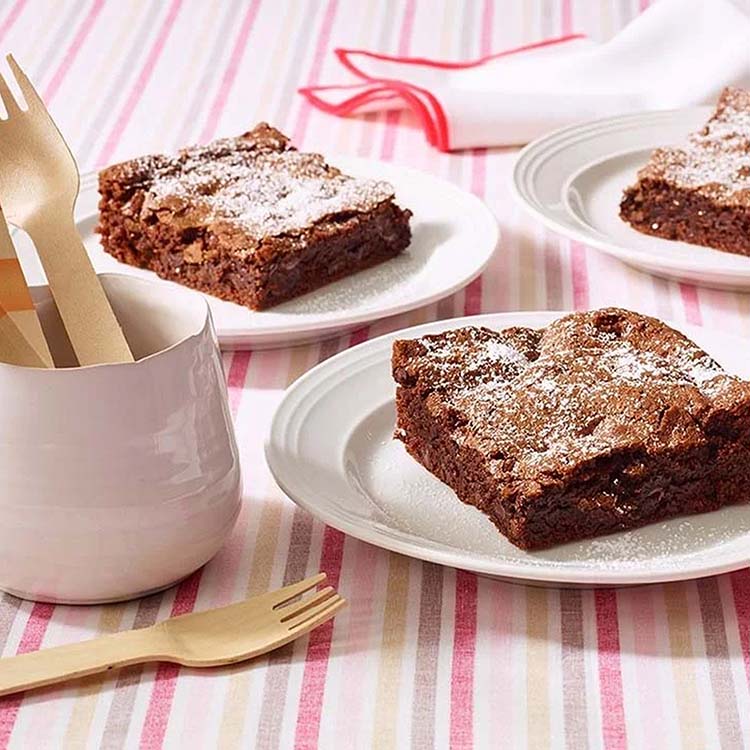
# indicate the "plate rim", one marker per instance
pixel 672 267
pixel 408 544
pixel 286 335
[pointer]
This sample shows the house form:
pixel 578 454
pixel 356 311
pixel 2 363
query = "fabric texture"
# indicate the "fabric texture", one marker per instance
pixel 678 53
pixel 423 656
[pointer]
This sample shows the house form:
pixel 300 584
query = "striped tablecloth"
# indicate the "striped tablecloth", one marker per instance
pixel 424 656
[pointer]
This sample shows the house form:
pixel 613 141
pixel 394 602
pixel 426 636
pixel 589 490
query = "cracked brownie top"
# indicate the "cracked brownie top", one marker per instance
pixel 590 385
pixel 256 183
pixel 715 161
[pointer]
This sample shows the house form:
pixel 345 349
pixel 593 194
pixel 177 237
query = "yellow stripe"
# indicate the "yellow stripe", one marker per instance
pixel 113 59
pixel 391 651
pixel 743 306
pixel 240 677
pixel 175 110
pixel 261 566
pixel 89 688
pixel 606 25
pixel 537 668
pixel 281 49
pixel 346 135
pixel 686 695
pixel 83 710
pixel 448 27
pixel 527 273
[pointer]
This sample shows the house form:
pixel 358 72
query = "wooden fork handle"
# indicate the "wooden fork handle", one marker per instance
pixel 88 317
pixel 53 665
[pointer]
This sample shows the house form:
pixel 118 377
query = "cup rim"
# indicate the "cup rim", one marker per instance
pixel 195 296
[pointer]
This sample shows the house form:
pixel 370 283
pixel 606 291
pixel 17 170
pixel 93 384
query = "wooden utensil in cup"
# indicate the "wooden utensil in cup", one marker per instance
pixel 15 299
pixel 39 184
pixel 203 639
pixel 15 348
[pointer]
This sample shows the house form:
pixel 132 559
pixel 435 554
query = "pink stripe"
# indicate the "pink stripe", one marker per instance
pixel 217 107
pixel 479 171
pixel 498 653
pixel 36 627
pixel 610 676
pixel 488 25
pixel 319 644
pixel 12 17
pixel 391 121
pixel 140 84
pixel 392 118
pixel 88 22
pixel 473 297
pixel 317 63
pixel 318 651
pixel 741 591
pixel 236 379
pixel 462 671
pixel 358 336
pixel 389 138
pixel 566 12
pixel 689 294
pixel 649 695
pixel 473 293
pixel 580 276
pixel 553 275
pixel 41 614
pixel 160 704
pixel 31 640
pixel 349 727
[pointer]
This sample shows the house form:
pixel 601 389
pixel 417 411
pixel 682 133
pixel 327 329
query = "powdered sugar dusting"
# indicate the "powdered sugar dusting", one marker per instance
pixel 590 384
pixel 716 159
pixel 401 495
pixel 263 188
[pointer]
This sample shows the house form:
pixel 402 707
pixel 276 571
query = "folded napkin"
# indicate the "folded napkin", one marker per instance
pixel 677 53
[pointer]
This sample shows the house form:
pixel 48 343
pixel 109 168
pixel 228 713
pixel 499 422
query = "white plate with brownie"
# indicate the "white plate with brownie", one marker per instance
pixel 287 247
pixel 666 192
pixel 595 449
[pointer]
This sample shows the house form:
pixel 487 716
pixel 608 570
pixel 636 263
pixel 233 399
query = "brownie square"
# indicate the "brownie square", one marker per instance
pixel 699 193
pixel 603 421
pixel 248 219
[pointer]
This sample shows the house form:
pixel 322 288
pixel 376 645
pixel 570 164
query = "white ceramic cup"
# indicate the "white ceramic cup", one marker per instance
pixel 117 480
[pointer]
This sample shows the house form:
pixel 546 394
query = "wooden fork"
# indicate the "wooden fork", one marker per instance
pixel 203 639
pixel 39 184
pixel 15 298
pixel 15 348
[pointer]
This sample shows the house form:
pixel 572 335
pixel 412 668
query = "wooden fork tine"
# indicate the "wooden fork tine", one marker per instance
pixel 315 615
pixel 27 89
pixel 282 596
pixel 299 607
pixel 6 95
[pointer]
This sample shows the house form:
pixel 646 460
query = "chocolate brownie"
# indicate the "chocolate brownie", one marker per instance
pixel 248 219
pixel 699 193
pixel 603 421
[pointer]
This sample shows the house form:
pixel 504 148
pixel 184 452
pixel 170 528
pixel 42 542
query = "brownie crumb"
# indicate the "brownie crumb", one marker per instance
pixel 699 193
pixel 603 421
pixel 248 219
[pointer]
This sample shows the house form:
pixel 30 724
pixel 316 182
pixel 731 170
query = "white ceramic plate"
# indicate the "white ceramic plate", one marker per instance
pixel 454 236
pixel 331 450
pixel 572 181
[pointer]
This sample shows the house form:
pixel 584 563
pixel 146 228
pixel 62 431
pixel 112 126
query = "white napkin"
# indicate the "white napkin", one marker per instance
pixel 677 53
